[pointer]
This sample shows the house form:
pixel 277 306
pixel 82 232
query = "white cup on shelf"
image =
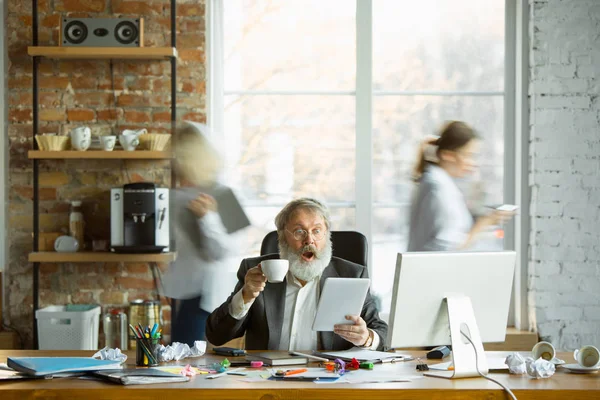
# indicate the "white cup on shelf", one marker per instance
pixel 81 138
pixel 108 142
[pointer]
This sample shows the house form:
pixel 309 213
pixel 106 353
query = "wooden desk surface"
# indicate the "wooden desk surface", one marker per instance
pixel 561 386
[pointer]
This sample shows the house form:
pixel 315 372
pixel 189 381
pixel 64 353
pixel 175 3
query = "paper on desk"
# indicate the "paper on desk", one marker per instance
pixel 494 363
pixel 373 376
pixel 9 374
pixel 177 369
pixel 256 376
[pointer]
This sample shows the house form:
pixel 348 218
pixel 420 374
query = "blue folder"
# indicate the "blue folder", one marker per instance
pixel 41 366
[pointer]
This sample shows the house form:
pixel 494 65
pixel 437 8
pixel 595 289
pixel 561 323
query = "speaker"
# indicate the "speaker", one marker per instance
pixel 102 32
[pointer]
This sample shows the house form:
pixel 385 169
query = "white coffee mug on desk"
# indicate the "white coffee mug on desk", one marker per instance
pixel 129 141
pixel 81 138
pixel 587 356
pixel 543 350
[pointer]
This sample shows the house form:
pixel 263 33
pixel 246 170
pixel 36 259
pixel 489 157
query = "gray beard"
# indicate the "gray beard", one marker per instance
pixel 307 270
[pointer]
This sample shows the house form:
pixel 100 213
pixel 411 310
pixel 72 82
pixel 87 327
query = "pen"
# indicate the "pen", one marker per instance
pixel 295 353
pixel 295 371
pixel 392 359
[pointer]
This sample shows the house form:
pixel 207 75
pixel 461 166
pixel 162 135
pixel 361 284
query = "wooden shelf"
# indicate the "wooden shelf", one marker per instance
pixel 101 154
pixel 142 53
pixel 55 257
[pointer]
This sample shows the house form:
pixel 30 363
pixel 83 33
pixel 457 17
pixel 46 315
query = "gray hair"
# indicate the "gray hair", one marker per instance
pixel 302 203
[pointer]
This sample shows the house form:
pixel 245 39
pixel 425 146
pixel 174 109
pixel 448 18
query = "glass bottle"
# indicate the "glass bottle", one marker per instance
pixel 77 224
pixel 114 323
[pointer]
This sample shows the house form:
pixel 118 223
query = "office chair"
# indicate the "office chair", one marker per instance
pixel 349 245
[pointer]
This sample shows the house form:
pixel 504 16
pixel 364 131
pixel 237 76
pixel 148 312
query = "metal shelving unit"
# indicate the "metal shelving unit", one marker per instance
pixel 147 53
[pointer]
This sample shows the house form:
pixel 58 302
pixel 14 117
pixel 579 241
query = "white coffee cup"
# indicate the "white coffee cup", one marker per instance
pixel 81 138
pixel 275 270
pixel 587 356
pixel 108 142
pixel 543 350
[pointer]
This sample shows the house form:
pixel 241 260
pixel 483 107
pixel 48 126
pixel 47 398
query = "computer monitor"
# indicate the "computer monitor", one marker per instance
pixel 474 286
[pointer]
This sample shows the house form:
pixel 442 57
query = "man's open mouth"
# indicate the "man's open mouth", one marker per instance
pixel 308 256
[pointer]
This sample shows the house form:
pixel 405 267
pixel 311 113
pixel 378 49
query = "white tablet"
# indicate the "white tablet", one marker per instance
pixel 340 297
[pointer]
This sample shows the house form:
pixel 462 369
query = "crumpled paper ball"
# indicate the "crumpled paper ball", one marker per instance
pixel 539 368
pixel 198 349
pixel 516 364
pixel 177 351
pixel 111 354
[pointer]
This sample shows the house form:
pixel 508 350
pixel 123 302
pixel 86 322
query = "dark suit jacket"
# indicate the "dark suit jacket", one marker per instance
pixel 262 324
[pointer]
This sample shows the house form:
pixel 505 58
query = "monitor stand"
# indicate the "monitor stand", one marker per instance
pixel 462 320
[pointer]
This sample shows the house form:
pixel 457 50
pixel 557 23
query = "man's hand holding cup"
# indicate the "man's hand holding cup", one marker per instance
pixel 273 271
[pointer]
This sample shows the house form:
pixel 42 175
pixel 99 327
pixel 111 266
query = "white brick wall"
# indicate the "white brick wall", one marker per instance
pixel 564 268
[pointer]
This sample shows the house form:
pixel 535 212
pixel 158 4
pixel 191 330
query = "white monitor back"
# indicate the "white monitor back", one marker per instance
pixel 419 316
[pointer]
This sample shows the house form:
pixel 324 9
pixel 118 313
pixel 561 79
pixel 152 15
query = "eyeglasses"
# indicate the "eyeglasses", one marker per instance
pixel 301 234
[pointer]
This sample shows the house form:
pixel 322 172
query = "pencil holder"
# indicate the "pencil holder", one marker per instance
pixel 146 353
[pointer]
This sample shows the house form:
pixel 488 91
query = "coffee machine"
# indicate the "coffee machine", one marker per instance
pixel 139 218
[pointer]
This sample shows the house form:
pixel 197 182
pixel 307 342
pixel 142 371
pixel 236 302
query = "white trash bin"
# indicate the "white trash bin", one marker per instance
pixel 71 327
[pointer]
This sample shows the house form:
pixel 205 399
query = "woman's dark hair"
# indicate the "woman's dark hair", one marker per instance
pixel 454 135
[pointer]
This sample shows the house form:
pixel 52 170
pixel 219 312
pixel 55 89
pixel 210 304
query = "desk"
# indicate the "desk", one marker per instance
pixel 562 386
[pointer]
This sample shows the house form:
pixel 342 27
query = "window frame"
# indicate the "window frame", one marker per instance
pixel 515 185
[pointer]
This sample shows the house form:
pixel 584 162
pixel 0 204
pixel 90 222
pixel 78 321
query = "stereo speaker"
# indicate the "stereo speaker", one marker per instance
pixel 102 32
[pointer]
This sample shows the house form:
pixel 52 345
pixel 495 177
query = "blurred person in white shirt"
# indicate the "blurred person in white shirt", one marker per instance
pixel 201 241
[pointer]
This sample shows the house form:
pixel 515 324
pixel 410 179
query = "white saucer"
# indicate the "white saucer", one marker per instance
pixel 578 369
pixel 557 361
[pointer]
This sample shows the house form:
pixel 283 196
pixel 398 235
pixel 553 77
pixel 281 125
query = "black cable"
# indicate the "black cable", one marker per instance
pixel 21 341
pixel 157 277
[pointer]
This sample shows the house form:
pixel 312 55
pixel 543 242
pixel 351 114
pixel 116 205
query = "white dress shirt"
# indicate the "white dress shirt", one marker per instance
pixel 440 219
pixel 299 312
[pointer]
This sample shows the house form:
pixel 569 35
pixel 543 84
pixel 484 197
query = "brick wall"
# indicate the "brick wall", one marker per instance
pixel 76 93
pixel 565 176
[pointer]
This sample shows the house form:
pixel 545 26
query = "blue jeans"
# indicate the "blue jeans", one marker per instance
pixel 188 321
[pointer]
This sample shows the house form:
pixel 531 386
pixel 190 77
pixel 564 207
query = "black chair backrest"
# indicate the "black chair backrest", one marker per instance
pixel 349 245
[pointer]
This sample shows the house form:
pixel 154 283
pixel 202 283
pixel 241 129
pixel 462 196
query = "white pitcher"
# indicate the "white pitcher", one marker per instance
pixel 81 138
pixel 136 132
pixel 129 141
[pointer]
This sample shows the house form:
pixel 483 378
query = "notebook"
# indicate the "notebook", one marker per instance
pixel 140 376
pixel 41 366
pixel 229 208
pixel 277 358
pixel 362 354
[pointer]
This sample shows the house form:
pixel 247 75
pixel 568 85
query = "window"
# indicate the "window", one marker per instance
pixel 293 88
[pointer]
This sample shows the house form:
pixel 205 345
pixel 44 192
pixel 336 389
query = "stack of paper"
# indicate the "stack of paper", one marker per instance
pixel 140 376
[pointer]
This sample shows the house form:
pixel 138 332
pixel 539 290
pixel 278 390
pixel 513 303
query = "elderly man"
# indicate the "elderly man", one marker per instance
pixel 278 316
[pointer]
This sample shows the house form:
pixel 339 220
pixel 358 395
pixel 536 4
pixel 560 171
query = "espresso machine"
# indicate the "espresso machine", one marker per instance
pixel 139 218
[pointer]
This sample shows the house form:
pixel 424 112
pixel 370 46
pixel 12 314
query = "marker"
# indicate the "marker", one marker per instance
pixel 295 371
pixel 295 353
